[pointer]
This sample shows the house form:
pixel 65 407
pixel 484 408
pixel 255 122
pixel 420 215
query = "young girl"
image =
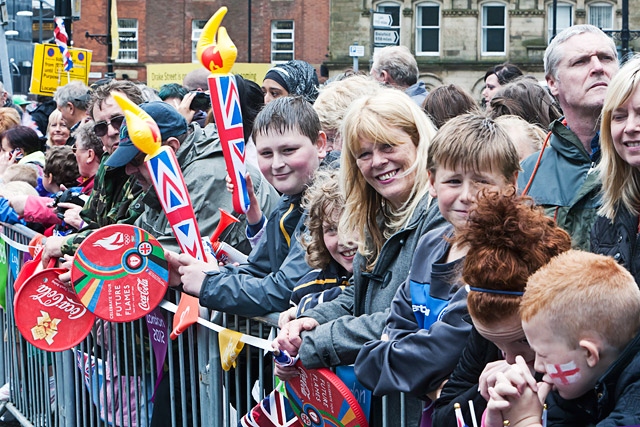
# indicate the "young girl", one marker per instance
pixel 330 255
pixel 615 232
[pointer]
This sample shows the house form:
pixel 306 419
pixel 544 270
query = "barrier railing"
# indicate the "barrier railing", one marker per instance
pixel 111 377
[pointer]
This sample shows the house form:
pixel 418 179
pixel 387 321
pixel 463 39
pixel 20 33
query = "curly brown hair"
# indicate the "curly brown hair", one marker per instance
pixel 509 238
pixel 324 202
pixel 62 164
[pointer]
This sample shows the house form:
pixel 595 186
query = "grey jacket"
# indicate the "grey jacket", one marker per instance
pixel 203 167
pixel 358 315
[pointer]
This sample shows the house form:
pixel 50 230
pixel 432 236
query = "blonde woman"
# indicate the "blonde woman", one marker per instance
pixel 615 232
pixel 384 176
pixel 57 130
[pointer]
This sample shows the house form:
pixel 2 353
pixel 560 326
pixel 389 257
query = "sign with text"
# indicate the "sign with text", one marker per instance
pixel 382 20
pixel 355 50
pixel 48 70
pixel 160 74
pixel 386 37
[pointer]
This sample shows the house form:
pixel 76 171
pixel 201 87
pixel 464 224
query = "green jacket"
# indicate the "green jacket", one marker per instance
pixel 114 200
pixel 565 184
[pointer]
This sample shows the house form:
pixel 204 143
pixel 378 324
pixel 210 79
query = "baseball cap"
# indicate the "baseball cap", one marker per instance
pixel 169 121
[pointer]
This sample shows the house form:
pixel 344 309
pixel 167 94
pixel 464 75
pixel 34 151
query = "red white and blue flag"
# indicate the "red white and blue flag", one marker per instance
pixel 273 411
pixel 62 38
pixel 225 102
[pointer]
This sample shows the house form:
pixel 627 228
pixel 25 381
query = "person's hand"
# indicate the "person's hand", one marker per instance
pixel 184 107
pixel 17 202
pixel 52 248
pixel 286 317
pixel 488 377
pixel 67 263
pixel 254 213
pixel 289 338
pixel 285 373
pixel 189 271
pixel 8 158
pixel 72 215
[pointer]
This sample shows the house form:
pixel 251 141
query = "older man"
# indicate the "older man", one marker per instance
pixel 397 67
pixel 579 63
pixel 73 102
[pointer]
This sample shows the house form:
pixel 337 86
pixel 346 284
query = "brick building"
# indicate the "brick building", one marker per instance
pixel 166 31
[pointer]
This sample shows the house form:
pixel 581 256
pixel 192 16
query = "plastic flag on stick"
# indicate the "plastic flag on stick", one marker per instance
pixel 62 38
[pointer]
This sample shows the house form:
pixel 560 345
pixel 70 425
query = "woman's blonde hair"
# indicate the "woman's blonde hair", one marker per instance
pixel 54 117
pixel 372 217
pixel 620 181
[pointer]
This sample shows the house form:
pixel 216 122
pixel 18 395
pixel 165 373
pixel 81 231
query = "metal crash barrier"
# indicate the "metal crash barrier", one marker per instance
pixel 112 377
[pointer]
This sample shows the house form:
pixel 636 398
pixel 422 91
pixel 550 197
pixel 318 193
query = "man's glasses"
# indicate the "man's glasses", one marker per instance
pixel 101 128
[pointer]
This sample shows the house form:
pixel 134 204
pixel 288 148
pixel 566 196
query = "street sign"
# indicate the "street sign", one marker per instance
pixel 386 37
pixel 382 20
pixel 48 73
pixel 355 50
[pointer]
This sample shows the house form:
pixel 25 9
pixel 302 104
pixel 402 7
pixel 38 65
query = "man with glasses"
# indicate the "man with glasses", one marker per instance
pixel 115 194
pixel 73 102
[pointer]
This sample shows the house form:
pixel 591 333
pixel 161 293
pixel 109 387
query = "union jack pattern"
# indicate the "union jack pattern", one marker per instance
pixel 62 38
pixel 273 411
pixel 228 115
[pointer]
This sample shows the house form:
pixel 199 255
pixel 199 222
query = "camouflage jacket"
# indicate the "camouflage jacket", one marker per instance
pixel 116 198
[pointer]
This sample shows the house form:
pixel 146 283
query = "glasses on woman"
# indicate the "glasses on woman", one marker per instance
pixel 102 127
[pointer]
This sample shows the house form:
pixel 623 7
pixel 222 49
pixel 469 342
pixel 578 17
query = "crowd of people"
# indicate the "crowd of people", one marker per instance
pixel 452 250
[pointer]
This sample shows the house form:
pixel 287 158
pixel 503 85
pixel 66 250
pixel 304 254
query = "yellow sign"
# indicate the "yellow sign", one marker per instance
pixel 48 70
pixel 160 74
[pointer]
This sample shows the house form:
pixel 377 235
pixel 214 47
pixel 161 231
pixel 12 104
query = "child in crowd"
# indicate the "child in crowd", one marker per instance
pixel 290 148
pixel 527 137
pixel 580 315
pixel 20 173
pixel 426 326
pixel 329 255
pixel 615 232
pixel 509 238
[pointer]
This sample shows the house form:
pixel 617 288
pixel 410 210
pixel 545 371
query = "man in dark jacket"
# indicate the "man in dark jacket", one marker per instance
pixel 579 63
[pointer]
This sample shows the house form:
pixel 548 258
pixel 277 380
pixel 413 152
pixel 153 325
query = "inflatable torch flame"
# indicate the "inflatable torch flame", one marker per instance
pixel 218 56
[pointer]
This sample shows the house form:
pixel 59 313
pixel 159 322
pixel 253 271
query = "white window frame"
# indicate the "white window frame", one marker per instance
pixel 420 8
pixel 276 37
pixel 196 31
pixel 486 28
pixel 567 7
pixel 128 35
pixel 379 7
pixel 601 6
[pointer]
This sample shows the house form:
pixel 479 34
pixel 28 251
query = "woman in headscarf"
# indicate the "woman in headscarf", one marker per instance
pixel 292 78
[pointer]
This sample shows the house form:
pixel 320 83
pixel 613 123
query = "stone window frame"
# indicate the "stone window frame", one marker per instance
pixel 128 35
pixel 277 37
pixel 484 28
pixel 419 8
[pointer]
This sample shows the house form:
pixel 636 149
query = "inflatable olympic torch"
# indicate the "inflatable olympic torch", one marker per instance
pixel 173 195
pixel 218 57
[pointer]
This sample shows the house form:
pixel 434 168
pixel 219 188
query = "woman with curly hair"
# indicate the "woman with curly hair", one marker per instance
pixel 509 238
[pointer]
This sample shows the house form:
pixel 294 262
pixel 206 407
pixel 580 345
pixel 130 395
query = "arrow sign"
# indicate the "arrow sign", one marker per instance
pixel 382 20
pixel 386 37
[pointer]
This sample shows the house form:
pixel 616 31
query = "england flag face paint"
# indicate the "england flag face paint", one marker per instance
pixel 564 374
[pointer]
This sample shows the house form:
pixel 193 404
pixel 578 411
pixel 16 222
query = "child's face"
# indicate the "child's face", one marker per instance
pixel 289 160
pixel 384 166
pixel 457 190
pixel 341 249
pixel 508 336
pixel 625 129
pixel 564 367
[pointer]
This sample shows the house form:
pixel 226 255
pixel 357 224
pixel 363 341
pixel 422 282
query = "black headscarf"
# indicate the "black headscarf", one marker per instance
pixel 297 77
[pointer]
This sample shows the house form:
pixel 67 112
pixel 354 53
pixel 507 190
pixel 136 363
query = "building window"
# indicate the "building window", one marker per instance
pixel 601 15
pixel 388 36
pixel 494 19
pixel 196 29
pixel 428 29
pixel 282 42
pixel 128 32
pixel 565 18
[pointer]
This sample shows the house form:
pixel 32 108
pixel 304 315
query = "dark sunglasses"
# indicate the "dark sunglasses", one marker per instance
pixel 101 128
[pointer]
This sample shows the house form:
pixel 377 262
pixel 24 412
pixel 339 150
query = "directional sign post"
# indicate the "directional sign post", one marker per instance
pixel 386 37
pixel 384 33
pixel 382 20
